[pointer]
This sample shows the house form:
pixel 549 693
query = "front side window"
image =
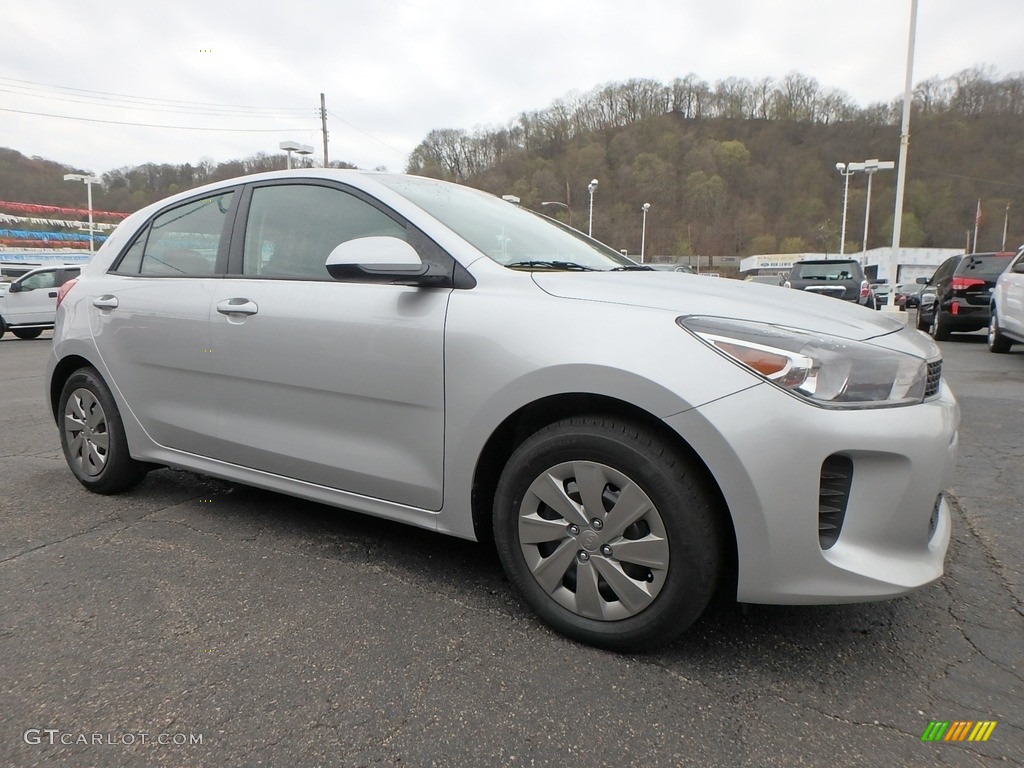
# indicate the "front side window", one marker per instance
pixel 39 280
pixel 183 241
pixel 292 229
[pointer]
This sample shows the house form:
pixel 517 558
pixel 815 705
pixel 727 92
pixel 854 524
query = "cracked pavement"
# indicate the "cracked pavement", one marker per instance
pixel 291 634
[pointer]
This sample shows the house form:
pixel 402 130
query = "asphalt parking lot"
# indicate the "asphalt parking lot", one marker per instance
pixel 244 628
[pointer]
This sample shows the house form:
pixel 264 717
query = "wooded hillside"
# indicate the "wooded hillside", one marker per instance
pixel 736 168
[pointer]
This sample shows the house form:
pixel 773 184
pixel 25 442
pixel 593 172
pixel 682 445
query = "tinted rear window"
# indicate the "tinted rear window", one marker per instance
pixel 837 271
pixel 985 267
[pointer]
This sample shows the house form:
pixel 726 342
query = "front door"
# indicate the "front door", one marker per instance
pixel 332 383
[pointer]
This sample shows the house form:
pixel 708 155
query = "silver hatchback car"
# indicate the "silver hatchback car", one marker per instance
pixel 630 439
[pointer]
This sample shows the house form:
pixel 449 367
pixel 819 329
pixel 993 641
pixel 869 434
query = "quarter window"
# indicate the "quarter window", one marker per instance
pixel 293 228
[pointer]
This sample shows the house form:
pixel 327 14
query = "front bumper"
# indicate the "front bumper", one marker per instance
pixel 766 450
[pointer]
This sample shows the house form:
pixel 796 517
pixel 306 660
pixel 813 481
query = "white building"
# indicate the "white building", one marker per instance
pixel 913 262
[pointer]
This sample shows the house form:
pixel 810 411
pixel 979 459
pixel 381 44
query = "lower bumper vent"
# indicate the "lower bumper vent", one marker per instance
pixel 833 496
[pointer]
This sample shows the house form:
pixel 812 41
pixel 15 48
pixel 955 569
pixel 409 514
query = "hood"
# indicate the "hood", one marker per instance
pixel 720 297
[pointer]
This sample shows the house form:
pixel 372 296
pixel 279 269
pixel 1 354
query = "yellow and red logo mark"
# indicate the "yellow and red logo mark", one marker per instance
pixel 958 730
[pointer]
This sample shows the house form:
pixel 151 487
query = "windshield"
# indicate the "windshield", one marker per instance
pixel 512 236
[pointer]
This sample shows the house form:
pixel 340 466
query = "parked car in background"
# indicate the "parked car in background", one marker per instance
pixel 29 303
pixel 764 279
pixel 1006 321
pixel 838 278
pixel 429 353
pixel 908 295
pixel 958 297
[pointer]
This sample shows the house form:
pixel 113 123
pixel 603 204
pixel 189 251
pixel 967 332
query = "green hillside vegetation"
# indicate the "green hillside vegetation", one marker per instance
pixel 747 167
pixel 733 169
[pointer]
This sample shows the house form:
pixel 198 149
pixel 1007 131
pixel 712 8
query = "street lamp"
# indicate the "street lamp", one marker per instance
pixel 559 203
pixel 845 170
pixel 89 181
pixel 294 146
pixel 590 188
pixel 643 230
pixel 869 167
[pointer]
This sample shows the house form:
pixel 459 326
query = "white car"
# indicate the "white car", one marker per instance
pixel 1006 323
pixel 631 439
pixel 28 305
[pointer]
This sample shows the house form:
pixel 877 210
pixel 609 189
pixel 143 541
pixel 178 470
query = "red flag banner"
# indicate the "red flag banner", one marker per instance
pixel 33 208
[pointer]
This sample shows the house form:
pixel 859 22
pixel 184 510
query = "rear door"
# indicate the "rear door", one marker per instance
pixel 339 384
pixel 150 316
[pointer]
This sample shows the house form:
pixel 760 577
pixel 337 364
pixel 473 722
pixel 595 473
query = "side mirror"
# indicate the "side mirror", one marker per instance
pixel 377 260
pixel 15 288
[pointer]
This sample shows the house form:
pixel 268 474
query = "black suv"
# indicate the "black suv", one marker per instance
pixel 958 296
pixel 839 278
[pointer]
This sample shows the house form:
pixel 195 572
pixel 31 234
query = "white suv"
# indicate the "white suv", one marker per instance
pixel 1006 324
pixel 29 304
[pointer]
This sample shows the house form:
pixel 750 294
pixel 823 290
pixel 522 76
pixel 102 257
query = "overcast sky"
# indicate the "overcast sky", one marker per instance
pixel 392 70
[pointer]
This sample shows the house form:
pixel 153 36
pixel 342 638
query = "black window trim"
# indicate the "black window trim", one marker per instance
pixel 456 277
pixel 220 266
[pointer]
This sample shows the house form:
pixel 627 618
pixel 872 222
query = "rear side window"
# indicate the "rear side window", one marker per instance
pixel 292 229
pixel 183 241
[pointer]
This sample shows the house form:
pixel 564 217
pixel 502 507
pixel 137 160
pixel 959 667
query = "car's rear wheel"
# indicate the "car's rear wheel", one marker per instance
pixel 938 329
pixel 27 333
pixel 996 341
pixel 92 435
pixel 608 532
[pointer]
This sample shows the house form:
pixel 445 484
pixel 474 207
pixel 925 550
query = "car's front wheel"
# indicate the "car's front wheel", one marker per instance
pixel 996 341
pixel 92 435
pixel 608 532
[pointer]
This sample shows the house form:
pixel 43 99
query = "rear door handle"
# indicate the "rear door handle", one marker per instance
pixel 105 302
pixel 237 307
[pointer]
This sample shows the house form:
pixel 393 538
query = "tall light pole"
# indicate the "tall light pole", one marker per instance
pixel 89 181
pixel 869 167
pixel 901 173
pixel 590 188
pixel 643 230
pixel 845 170
pixel 294 146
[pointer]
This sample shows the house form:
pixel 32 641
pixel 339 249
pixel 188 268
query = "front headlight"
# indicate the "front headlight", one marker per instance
pixel 825 370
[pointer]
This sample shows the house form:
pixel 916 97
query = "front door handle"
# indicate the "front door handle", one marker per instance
pixel 237 307
pixel 105 302
pixel 52 294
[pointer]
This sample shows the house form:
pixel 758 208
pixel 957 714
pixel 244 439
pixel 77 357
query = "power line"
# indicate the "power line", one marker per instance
pixel 1015 185
pixel 151 125
pixel 199 110
pixel 107 95
pixel 368 135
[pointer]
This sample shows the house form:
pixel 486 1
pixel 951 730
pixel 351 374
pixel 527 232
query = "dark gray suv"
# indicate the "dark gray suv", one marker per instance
pixel 838 278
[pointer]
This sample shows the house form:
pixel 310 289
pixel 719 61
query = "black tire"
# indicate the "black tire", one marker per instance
pixel 938 329
pixel 922 324
pixel 629 605
pixel 92 435
pixel 3 327
pixel 996 341
pixel 27 333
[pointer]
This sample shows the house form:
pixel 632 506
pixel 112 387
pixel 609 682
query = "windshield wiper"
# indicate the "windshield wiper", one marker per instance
pixel 632 268
pixel 539 264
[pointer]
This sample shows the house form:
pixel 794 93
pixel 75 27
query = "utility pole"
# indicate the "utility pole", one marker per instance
pixel 323 127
